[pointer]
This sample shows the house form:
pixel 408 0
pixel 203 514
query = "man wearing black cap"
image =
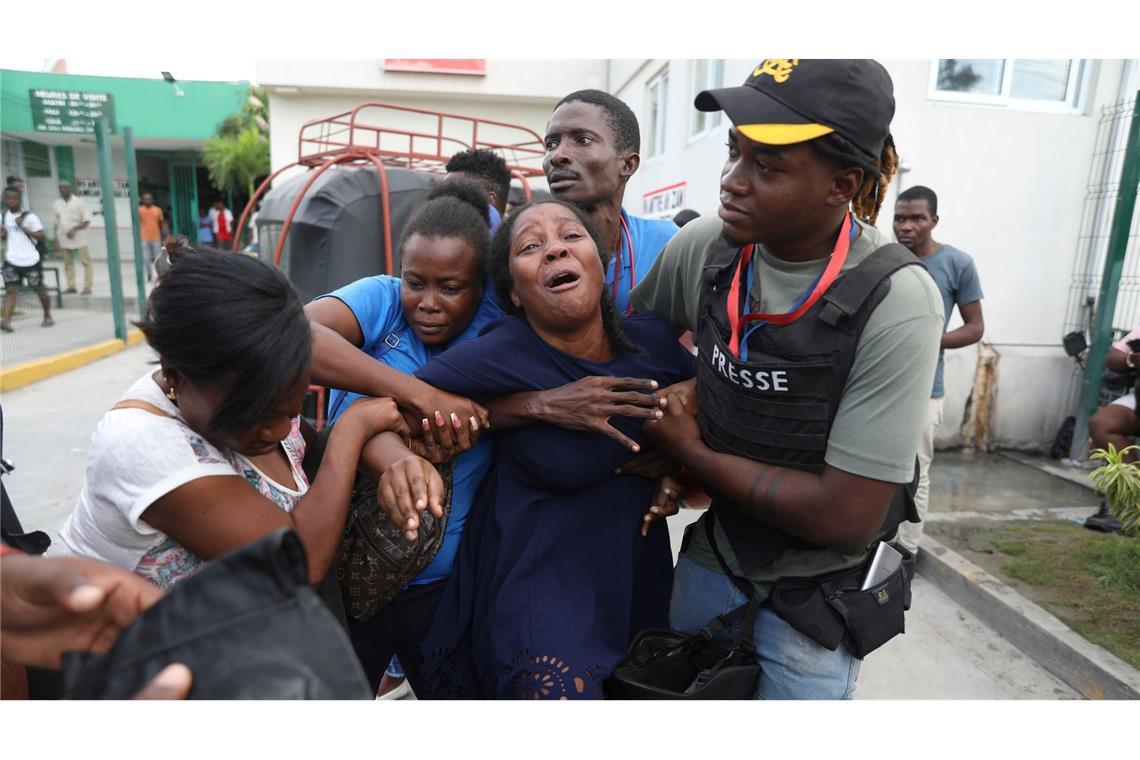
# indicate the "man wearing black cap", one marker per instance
pixel 817 351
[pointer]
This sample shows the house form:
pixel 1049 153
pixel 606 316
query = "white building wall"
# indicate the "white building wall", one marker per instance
pixel 1011 186
pixel 516 91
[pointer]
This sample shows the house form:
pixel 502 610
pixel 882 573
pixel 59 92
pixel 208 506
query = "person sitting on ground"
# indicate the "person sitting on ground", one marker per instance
pixel 204 454
pixel 563 560
pixel 22 231
pixel 1118 422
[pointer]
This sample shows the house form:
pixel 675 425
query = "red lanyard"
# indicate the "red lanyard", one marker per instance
pixel 617 265
pixel 737 320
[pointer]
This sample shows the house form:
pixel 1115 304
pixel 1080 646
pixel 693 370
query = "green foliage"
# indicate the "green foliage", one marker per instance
pixel 239 153
pixel 1119 481
pixel 235 162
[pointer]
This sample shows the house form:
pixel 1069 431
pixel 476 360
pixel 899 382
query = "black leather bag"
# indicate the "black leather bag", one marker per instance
pixel 247 625
pixel 665 664
pixel 376 562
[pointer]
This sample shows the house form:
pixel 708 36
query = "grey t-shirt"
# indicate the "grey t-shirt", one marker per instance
pixel 957 279
pixel 883 409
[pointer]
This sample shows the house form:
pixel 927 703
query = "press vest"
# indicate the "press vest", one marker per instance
pixel 778 406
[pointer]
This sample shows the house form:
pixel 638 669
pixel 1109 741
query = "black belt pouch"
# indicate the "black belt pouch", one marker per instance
pixel 832 609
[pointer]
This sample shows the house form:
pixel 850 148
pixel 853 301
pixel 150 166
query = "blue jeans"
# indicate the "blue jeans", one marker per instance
pixel 792 665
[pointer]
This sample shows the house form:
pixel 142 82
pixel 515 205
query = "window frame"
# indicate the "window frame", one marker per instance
pixel 660 81
pixel 1076 92
pixel 715 118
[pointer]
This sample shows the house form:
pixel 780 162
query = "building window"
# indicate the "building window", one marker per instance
pixel 656 108
pixel 1037 84
pixel 705 74
pixel 37 161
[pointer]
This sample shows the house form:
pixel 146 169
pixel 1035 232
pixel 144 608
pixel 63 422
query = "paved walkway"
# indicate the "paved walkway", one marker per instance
pixel 82 321
pixel 946 653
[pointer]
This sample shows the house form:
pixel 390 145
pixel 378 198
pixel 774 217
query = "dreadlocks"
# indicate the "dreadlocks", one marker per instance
pixel 877 175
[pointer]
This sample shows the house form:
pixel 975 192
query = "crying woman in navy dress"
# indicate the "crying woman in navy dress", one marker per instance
pixel 553 577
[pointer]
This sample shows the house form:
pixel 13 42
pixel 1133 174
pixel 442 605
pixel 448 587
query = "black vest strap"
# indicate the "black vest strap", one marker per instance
pixel 852 290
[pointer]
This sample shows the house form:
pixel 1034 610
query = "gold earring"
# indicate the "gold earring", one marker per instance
pixel 170 394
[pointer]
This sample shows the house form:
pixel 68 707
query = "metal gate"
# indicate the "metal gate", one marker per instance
pixel 1105 245
pixel 184 196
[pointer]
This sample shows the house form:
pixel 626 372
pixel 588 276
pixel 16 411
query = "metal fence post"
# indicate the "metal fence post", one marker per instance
pixel 133 187
pixel 107 185
pixel 1109 285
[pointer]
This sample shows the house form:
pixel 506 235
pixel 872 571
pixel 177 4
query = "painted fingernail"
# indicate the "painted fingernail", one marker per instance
pixel 668 491
pixel 455 421
pixel 439 418
pixel 474 424
pixel 420 503
pixel 636 448
pixel 653 384
pixel 659 414
pixel 426 425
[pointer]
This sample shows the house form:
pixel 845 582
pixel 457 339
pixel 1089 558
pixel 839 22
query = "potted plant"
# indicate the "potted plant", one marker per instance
pixel 1119 481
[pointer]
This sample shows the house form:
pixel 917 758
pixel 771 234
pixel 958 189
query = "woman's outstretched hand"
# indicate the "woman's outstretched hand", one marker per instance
pixel 408 487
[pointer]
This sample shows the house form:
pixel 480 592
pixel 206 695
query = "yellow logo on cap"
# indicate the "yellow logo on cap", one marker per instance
pixel 777 68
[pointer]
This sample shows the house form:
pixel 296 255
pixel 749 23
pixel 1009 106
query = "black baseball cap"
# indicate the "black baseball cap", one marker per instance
pixel 792 100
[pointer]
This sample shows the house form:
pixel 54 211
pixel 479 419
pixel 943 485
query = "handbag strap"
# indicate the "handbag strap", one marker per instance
pixel 142 405
pixel 741 584
pixel 749 609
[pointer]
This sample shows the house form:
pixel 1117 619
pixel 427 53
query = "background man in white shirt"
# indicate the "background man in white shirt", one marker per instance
pixel 72 218
pixel 22 229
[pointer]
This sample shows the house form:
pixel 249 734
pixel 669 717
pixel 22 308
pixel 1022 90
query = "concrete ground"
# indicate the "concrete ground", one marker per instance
pixel 946 653
pixel 81 321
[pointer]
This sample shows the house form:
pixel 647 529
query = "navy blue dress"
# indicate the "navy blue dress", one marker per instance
pixel 553 576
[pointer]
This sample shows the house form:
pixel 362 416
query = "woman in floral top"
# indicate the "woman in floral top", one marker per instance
pixel 203 454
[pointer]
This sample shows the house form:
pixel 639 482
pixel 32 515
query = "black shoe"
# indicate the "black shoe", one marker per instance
pixel 1103 521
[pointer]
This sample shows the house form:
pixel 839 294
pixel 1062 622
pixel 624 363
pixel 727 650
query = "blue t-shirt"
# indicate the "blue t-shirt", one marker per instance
pixel 648 236
pixel 388 338
pixel 495 219
pixel 957 279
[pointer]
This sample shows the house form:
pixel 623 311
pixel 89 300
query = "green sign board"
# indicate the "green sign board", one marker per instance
pixel 68 112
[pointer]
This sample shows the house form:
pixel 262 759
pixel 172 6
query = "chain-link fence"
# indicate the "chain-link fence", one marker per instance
pixel 1104 188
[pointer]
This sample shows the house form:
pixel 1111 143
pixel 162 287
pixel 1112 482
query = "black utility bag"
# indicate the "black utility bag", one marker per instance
pixel 666 664
pixel 247 625
pixel 831 609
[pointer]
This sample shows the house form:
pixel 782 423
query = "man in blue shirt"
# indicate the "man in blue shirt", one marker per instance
pixel 592 143
pixel 488 170
pixel 916 216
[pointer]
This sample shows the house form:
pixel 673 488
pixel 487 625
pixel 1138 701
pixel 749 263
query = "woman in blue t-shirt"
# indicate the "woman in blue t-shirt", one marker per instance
pixel 438 301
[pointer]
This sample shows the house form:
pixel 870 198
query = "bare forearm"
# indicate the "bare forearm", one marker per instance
pixel 380 453
pixel 320 514
pixel 339 364
pixel 516 409
pixel 800 503
pixel 966 335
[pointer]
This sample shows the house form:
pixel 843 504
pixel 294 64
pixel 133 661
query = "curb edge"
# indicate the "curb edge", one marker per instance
pixel 1091 670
